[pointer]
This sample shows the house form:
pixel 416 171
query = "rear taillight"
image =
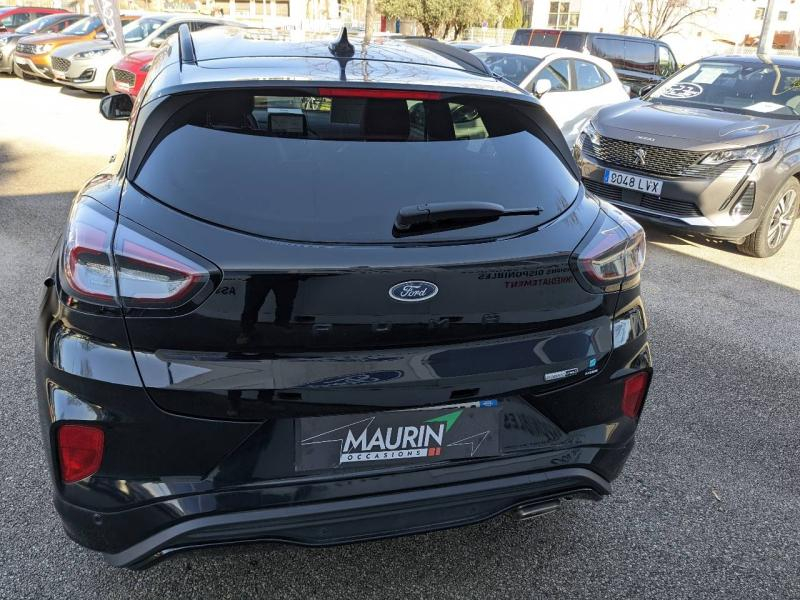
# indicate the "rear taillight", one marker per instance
pixel 151 274
pixel 614 252
pixel 88 272
pixel 633 394
pixel 80 451
pixel 129 267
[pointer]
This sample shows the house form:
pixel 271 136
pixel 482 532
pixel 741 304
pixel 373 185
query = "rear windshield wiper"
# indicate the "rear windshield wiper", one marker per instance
pixel 456 214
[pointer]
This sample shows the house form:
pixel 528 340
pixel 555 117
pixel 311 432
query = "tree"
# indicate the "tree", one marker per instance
pixel 514 20
pixel 657 18
pixel 431 14
pixel 369 16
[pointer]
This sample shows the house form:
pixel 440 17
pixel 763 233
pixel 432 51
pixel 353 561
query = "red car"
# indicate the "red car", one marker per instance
pixel 129 73
pixel 16 16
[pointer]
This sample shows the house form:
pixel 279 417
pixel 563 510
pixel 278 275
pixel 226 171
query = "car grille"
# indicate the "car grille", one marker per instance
pixel 124 77
pixel 658 161
pixel 663 205
pixel 25 48
pixel 60 64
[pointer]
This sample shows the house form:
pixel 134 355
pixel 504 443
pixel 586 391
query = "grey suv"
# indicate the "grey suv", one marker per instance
pixel 714 149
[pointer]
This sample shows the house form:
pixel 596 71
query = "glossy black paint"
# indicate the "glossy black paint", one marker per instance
pixel 199 406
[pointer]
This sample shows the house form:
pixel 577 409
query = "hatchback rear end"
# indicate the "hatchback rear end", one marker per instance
pixel 332 308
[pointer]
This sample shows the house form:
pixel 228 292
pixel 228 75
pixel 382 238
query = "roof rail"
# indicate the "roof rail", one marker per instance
pixel 469 61
pixel 186 46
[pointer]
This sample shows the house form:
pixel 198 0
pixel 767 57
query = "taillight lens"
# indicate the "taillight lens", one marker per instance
pixel 614 253
pixel 633 394
pixel 139 269
pixel 88 272
pixel 80 451
pixel 153 274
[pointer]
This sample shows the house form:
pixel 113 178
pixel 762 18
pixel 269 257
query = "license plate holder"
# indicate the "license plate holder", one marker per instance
pixel 629 181
pixel 388 438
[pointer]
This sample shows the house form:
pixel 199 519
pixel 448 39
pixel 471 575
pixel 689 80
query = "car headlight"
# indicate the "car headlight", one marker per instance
pixel 591 133
pixel 42 48
pixel 755 154
pixel 91 53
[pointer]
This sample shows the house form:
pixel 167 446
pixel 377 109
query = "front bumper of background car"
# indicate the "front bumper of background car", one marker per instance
pixel 87 74
pixel 694 204
pixel 38 66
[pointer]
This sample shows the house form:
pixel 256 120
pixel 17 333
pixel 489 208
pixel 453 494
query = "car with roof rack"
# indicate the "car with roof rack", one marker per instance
pixel 329 293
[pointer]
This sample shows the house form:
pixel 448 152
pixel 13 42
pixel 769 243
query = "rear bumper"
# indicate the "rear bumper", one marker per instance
pixel 340 521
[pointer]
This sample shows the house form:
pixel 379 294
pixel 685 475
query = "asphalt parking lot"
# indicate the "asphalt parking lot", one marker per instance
pixel 708 506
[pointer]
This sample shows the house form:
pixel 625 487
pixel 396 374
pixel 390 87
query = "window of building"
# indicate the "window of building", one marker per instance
pixel 783 15
pixel 563 15
pixel 759 13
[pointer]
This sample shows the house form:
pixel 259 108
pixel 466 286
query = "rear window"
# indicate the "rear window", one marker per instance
pixel 571 41
pixel 330 168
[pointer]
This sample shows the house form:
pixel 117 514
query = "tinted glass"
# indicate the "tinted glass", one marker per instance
pixel 571 41
pixel 83 26
pixel 640 56
pixel 511 66
pixel 588 75
pixel 753 88
pixel 322 168
pixel 544 38
pixel 522 37
pixel 557 72
pixel 610 49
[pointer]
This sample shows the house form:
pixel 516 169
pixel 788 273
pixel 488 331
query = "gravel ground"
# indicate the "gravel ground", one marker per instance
pixel 708 506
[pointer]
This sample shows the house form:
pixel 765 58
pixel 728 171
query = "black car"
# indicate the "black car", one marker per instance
pixel 360 297
pixel 639 62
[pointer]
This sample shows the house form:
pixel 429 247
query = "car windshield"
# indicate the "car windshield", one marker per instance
pixel 514 67
pixel 82 27
pixel 39 24
pixel 751 88
pixel 141 28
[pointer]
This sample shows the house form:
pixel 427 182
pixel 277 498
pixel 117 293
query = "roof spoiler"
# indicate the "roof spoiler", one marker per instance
pixel 467 60
pixel 186 46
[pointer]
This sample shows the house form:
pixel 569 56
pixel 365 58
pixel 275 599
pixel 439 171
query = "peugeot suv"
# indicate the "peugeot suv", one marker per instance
pixel 713 151
pixel 361 297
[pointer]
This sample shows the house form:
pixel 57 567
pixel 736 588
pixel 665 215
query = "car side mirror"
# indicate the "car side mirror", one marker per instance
pixel 101 36
pixel 116 107
pixel 541 87
pixel 156 42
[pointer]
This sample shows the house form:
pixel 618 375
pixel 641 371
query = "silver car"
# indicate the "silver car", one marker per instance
pixel 87 65
pixel 714 150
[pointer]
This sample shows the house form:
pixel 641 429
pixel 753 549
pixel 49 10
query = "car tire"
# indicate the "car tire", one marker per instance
pixel 109 82
pixel 776 222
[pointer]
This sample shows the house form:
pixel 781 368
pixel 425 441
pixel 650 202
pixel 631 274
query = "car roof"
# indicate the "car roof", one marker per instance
pixel 534 51
pixel 781 60
pixel 224 57
pixel 595 33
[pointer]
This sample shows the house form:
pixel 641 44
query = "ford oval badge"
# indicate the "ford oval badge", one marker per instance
pixel 413 291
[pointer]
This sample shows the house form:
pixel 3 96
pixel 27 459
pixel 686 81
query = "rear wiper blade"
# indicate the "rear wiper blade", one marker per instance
pixel 455 213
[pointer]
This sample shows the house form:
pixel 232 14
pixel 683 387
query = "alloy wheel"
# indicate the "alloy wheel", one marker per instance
pixel 781 221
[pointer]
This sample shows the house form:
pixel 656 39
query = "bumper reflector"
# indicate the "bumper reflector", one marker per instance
pixel 633 394
pixel 80 451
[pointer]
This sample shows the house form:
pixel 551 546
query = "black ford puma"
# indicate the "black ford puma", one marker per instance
pixel 332 293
